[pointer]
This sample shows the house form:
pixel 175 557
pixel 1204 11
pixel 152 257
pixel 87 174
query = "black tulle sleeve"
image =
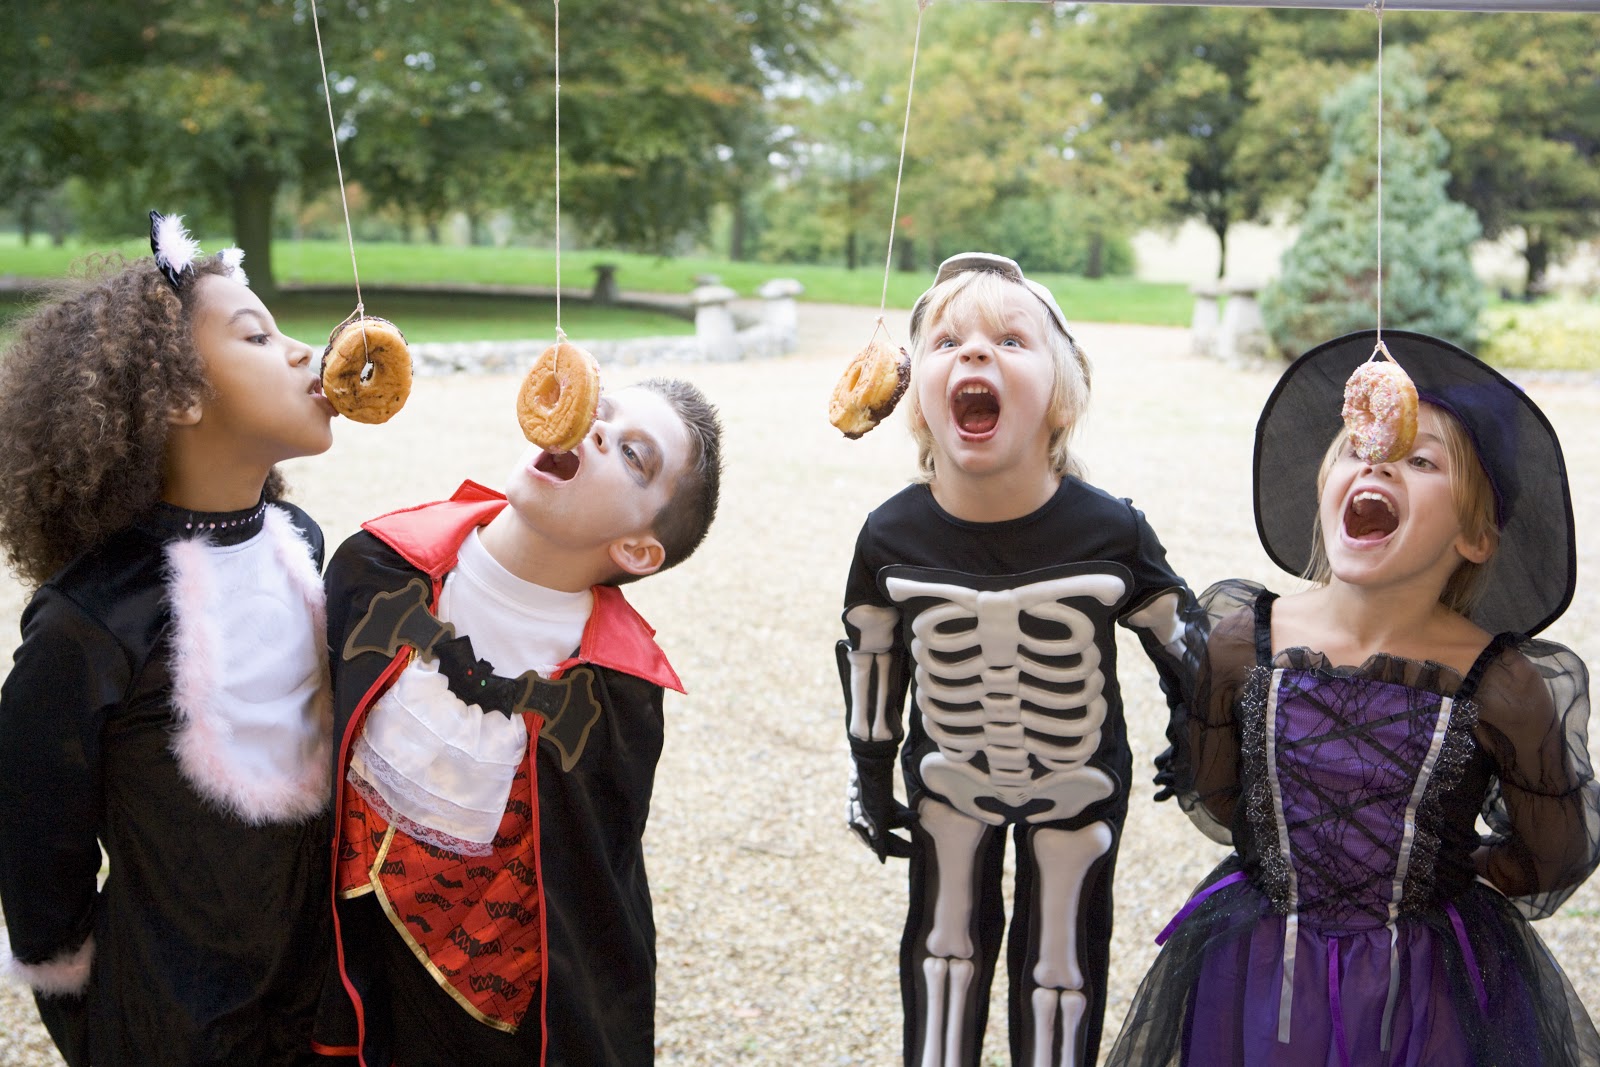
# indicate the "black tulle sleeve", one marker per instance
pixel 1206 747
pixel 1543 811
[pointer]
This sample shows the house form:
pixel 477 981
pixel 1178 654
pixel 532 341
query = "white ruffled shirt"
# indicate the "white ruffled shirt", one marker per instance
pixel 440 769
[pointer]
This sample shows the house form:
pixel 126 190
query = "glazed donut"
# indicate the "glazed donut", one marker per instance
pixel 366 369
pixel 1380 411
pixel 871 385
pixel 558 399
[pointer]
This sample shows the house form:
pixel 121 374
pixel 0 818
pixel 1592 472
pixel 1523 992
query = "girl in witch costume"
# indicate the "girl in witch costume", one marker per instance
pixel 1346 739
pixel 168 703
pixel 991 589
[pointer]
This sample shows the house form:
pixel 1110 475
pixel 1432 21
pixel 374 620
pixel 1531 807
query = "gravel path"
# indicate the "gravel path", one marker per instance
pixel 778 932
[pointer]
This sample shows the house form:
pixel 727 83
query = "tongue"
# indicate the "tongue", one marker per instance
pixel 1369 520
pixel 977 413
pixel 562 465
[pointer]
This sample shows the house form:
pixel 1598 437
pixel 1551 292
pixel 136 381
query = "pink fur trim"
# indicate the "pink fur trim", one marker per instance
pixel 66 974
pixel 203 742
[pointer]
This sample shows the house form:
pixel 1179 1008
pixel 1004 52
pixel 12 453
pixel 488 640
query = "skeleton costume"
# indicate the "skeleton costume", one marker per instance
pixel 1363 918
pixel 491 900
pixel 1002 634
pixel 169 704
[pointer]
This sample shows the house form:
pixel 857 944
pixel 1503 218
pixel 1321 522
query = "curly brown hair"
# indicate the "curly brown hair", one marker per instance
pixel 86 387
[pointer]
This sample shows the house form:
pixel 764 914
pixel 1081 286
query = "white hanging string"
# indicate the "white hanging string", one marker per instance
pixel 1377 9
pixel 333 128
pixel 905 130
pixel 560 333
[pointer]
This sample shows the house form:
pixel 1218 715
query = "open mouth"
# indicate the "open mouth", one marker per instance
pixel 1370 517
pixel 559 465
pixel 975 409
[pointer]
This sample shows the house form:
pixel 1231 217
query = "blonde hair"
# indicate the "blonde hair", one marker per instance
pixel 1473 496
pixel 983 292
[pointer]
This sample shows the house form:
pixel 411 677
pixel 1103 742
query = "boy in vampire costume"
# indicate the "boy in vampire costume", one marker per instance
pixel 499 707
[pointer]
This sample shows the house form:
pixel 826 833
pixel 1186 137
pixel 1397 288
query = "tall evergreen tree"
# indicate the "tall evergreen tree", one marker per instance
pixel 1328 285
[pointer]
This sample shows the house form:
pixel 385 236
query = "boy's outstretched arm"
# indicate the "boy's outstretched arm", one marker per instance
pixel 872 670
pixel 1172 629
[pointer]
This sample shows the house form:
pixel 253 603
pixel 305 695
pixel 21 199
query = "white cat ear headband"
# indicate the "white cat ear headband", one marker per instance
pixel 175 252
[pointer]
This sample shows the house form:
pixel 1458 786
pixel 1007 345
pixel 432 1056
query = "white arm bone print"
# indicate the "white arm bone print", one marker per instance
pixel 871 717
pixel 972 652
pixel 1161 619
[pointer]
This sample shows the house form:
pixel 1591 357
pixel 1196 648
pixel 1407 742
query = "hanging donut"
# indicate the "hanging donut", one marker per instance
pixel 870 387
pixel 559 397
pixel 1380 410
pixel 366 369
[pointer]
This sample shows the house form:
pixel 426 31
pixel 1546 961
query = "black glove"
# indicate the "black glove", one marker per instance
pixel 873 809
pixel 1166 781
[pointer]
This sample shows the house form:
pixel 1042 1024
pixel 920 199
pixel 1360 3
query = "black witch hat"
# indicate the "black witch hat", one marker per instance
pixel 1532 574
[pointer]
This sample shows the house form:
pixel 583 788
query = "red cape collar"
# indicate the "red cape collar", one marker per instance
pixel 429 537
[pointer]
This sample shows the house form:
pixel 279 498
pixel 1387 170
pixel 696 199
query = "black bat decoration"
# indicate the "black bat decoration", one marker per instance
pixel 401 619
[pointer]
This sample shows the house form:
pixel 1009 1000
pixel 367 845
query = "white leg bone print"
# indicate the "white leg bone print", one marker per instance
pixel 986 685
pixel 1062 858
pixel 948 970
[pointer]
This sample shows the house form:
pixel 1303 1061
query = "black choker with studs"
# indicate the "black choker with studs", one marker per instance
pixel 218 527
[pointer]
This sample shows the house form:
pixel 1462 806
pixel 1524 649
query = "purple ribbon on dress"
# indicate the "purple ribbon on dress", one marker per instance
pixel 1194 902
pixel 1335 1006
pixel 1472 960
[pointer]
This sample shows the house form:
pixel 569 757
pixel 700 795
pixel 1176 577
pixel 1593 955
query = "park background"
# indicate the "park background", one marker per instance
pixel 1124 156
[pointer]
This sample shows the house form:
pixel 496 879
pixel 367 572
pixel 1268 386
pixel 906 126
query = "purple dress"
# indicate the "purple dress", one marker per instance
pixel 1351 925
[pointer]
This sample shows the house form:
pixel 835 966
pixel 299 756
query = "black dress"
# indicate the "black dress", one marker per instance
pixel 196 758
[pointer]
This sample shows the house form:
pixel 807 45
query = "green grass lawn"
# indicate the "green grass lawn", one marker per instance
pixel 328 263
pixel 447 317
pixel 1551 334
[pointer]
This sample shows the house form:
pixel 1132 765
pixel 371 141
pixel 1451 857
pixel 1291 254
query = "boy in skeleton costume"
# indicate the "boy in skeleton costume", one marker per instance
pixel 989 590
pixel 500 709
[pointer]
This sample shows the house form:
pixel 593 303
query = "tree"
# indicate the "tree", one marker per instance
pixel 1329 282
pixel 1000 119
pixel 1180 77
pixel 1519 99
pixel 1516 96
pixel 218 104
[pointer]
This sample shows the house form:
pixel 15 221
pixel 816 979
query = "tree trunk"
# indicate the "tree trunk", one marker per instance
pixel 908 254
pixel 433 230
pixel 56 221
pixel 1538 259
pixel 250 194
pixel 850 254
pixel 736 232
pixel 25 219
pixel 1221 230
pixel 1095 263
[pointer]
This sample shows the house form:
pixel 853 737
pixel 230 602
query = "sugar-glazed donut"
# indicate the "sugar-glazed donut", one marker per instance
pixel 871 385
pixel 366 369
pixel 1380 410
pixel 558 399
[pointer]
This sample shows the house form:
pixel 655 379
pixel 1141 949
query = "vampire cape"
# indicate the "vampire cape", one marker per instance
pixel 554 928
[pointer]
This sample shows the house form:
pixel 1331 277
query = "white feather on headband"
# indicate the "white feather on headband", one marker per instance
pixel 232 258
pixel 174 248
